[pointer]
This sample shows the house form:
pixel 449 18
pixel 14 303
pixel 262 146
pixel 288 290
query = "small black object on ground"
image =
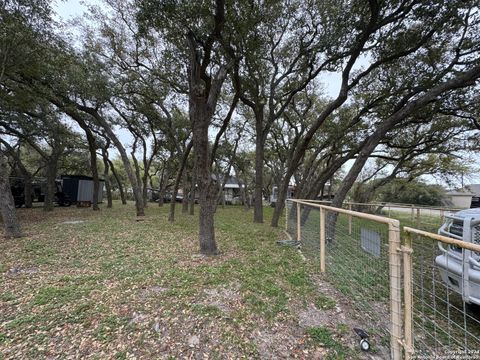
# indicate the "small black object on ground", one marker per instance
pixel 364 344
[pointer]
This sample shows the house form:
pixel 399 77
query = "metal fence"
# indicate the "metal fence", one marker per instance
pixel 357 253
pixel 445 293
pixel 417 296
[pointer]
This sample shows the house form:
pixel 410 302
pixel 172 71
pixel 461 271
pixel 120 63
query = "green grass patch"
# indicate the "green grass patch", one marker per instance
pixel 321 336
pixel 108 328
pixel 324 337
pixel 323 302
pixel 22 320
pixel 59 295
pixel 207 310
pixel 7 296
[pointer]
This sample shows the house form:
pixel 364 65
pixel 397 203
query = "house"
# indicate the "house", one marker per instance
pixel 465 198
pixel 274 195
pixel 231 190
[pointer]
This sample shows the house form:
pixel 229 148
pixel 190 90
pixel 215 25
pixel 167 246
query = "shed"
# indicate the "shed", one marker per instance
pixel 80 188
pixel 460 199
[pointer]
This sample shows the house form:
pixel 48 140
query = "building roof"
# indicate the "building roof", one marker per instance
pixel 80 177
pixel 232 182
pixel 459 193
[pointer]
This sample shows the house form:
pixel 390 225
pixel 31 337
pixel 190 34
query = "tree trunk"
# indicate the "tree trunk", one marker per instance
pixel 108 189
pixel 145 190
pixel 146 172
pixel 173 200
pixel 27 191
pixel 208 244
pixel 185 194
pixel 106 175
pixel 171 216
pixel 51 186
pixel 136 179
pixel 203 98
pixel 206 188
pixel 259 157
pixel 161 196
pixel 315 187
pixel 192 192
pixel 185 203
pixel 329 193
pixel 92 147
pixel 162 186
pixel 7 204
pixel 119 183
pixel 281 197
pixel 223 200
pixel 27 177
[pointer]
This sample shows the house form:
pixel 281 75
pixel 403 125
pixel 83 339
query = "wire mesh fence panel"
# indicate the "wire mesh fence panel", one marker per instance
pixel 445 281
pixel 309 219
pixel 310 233
pixel 357 263
pixel 291 218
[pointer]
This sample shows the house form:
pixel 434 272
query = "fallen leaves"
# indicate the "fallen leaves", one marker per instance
pixel 110 287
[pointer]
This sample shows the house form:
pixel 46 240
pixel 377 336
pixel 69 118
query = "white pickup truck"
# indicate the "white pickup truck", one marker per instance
pixel 460 268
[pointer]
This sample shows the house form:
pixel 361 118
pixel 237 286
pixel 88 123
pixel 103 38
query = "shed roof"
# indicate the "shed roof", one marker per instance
pixel 459 193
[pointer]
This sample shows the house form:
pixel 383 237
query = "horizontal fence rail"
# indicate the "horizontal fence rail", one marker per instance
pixel 427 218
pixel 418 295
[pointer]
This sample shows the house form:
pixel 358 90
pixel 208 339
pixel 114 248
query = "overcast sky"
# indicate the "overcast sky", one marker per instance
pixel 69 8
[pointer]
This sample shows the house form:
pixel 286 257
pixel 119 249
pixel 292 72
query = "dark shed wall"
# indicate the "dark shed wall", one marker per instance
pixel 70 187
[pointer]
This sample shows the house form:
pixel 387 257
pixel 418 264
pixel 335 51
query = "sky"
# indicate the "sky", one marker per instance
pixel 67 9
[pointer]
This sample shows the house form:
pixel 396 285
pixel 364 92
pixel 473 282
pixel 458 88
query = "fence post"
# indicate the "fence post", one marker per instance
pixel 413 213
pixel 408 296
pixel 299 232
pixel 350 220
pixel 395 267
pixel 322 240
pixel 418 218
pixel 442 215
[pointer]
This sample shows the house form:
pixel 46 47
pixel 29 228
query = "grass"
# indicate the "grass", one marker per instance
pixel 322 336
pixel 112 287
pixel 325 302
pixel 327 338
